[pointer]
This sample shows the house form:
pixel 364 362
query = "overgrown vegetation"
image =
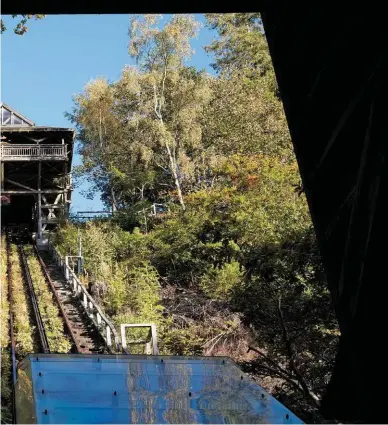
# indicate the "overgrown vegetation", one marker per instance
pixel 6 391
pixel 24 332
pixel 53 324
pixel 229 264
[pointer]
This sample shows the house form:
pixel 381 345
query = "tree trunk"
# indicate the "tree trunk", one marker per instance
pixel 176 177
pixel 114 203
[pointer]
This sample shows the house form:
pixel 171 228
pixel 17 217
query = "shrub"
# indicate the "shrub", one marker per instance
pixel 218 282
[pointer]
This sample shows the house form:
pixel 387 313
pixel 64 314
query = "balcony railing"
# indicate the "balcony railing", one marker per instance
pixel 31 152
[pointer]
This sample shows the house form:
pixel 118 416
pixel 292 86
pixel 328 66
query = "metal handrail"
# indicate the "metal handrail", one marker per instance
pixel 15 150
pixel 102 323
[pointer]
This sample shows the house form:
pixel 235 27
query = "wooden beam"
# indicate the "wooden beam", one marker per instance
pixel 33 158
pixel 51 206
pixel 29 192
pixel 19 184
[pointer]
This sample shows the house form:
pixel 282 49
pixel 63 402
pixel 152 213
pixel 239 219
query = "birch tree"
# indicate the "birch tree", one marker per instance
pixel 161 53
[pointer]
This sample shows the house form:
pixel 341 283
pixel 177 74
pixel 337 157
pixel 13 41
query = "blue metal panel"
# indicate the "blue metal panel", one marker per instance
pixel 148 389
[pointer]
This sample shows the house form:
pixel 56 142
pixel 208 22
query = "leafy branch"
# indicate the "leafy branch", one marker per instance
pixel 21 27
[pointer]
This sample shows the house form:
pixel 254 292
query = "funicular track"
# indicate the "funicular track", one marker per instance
pixel 85 337
pixel 37 320
pixel 79 329
pixel 37 315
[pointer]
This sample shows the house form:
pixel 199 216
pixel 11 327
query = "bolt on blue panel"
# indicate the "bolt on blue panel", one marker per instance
pixel 107 389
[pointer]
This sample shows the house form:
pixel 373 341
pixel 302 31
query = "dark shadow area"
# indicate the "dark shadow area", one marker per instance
pixel 20 211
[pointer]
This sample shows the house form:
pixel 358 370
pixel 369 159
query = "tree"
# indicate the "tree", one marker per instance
pixel 246 113
pixel 161 54
pixel 21 27
pixel 234 262
pixel 151 117
pixel 246 118
pixel 241 47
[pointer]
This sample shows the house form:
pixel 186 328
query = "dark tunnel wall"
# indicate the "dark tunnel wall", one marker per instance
pixel 19 211
pixel 332 69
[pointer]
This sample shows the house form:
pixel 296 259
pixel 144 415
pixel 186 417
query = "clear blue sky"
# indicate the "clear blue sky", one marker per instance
pixel 42 70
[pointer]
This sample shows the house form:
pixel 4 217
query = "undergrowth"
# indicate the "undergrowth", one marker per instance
pixel 6 392
pixel 24 331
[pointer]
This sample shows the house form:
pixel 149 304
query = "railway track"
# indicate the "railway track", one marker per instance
pixel 78 329
pixel 37 314
pixel 84 335
pixel 77 326
pixel 35 318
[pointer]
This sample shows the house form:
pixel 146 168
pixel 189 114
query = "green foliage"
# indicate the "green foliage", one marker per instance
pixel 234 262
pixel 24 332
pixel 21 27
pixel 218 283
pixel 5 359
pixel 4 312
pixel 6 385
pixel 241 47
pixel 157 48
pixel 134 292
pixel 139 302
pixel 120 259
pixel 183 342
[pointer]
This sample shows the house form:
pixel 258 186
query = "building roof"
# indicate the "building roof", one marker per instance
pixel 13 113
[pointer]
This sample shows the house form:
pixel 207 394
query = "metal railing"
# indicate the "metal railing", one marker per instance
pixel 102 323
pixel 33 151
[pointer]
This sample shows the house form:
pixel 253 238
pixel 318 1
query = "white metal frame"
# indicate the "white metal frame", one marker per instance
pixel 151 345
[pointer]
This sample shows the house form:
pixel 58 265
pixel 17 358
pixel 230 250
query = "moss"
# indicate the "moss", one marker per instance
pixel 21 309
pixel 6 387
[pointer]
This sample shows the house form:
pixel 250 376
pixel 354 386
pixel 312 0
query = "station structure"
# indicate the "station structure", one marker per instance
pixel 36 181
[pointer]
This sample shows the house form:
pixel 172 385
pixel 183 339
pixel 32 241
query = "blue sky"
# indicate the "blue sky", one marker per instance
pixel 42 70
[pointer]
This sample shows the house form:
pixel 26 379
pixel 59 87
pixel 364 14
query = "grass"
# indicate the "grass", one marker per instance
pixel 6 387
pixel 24 331
pixel 4 313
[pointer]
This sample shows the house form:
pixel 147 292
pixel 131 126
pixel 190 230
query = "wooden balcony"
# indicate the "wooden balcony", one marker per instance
pixel 33 152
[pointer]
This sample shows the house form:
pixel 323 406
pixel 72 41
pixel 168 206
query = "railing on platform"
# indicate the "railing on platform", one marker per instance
pixel 15 152
pixel 102 323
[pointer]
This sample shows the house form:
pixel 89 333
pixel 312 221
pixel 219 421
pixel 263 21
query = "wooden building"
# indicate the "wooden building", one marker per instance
pixel 35 173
